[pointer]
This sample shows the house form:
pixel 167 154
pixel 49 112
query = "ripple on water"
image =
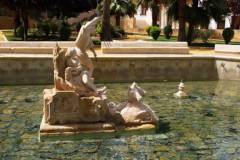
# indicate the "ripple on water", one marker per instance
pixel 206 126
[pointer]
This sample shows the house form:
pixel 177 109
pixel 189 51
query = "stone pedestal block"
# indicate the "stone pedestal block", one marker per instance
pixel 66 107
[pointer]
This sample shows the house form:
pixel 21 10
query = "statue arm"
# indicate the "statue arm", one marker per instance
pixel 87 81
pixel 91 47
pixel 94 21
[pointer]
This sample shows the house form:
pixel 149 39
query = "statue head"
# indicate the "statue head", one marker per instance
pixel 181 86
pixel 135 93
pixel 72 59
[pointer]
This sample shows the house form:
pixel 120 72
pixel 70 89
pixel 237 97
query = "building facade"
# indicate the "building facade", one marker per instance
pixel 143 18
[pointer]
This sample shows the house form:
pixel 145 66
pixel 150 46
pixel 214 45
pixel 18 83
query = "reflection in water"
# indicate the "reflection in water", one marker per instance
pixel 205 126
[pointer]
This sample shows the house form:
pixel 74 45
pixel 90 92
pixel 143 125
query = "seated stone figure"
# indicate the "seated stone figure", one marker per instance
pixel 78 77
pixel 75 98
pixel 70 74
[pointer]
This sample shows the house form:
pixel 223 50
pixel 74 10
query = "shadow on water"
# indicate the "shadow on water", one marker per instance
pixel 163 126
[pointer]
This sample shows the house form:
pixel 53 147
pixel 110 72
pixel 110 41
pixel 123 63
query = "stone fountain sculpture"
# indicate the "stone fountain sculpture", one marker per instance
pixel 76 106
pixel 181 91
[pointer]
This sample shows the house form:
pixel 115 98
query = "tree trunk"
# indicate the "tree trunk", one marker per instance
pixel 181 19
pixel 25 24
pixel 191 23
pixel 190 33
pixel 118 22
pixel 16 21
pixel 160 17
pixel 233 22
pixel 155 13
pixel 106 27
pixel 24 18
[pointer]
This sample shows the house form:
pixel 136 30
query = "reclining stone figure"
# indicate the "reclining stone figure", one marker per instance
pixel 133 111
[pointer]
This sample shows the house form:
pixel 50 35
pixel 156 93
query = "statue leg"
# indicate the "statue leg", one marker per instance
pixel 86 79
pixel 87 62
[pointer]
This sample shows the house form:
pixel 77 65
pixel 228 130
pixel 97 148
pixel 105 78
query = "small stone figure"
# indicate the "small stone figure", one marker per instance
pixel 134 111
pixel 181 93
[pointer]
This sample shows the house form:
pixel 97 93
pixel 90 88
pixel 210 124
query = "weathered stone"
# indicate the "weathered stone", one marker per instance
pixel 66 107
pixel 144 47
pixel 76 105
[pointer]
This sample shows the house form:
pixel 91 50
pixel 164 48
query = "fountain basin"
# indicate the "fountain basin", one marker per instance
pixel 38 69
pixel 206 125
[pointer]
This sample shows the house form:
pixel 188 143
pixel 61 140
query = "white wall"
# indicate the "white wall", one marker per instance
pixel 143 20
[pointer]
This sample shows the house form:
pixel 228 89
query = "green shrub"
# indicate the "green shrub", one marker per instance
pixel 115 31
pixel 96 42
pixel 148 28
pixel 64 31
pixel 78 26
pixel 118 32
pixel 155 32
pixel 44 27
pixel 168 31
pixel 205 35
pixel 228 34
pixel 53 27
pixel 20 32
pixel 99 28
pixel 38 33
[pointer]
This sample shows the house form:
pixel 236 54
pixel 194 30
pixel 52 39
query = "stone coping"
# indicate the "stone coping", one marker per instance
pixel 146 50
pixel 223 48
pixel 144 47
pixel 141 44
pixel 37 44
pixel 28 50
pixel 129 56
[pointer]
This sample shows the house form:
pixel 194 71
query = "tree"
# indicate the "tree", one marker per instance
pixel 234 9
pixel 67 8
pixel 155 8
pixel 177 11
pixel 120 8
pixel 106 27
pixel 181 20
pixel 198 14
pixel 21 11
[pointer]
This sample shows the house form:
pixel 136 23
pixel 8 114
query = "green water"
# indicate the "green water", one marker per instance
pixel 206 126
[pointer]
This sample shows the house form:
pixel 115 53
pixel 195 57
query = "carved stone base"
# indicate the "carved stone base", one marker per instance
pixel 67 107
pixel 90 130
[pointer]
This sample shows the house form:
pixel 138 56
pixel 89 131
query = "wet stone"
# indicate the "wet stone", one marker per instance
pixel 3 102
pixel 231 150
pixel 29 100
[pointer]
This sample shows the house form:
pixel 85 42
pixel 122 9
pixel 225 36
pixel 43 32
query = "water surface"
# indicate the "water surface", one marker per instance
pixel 206 126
